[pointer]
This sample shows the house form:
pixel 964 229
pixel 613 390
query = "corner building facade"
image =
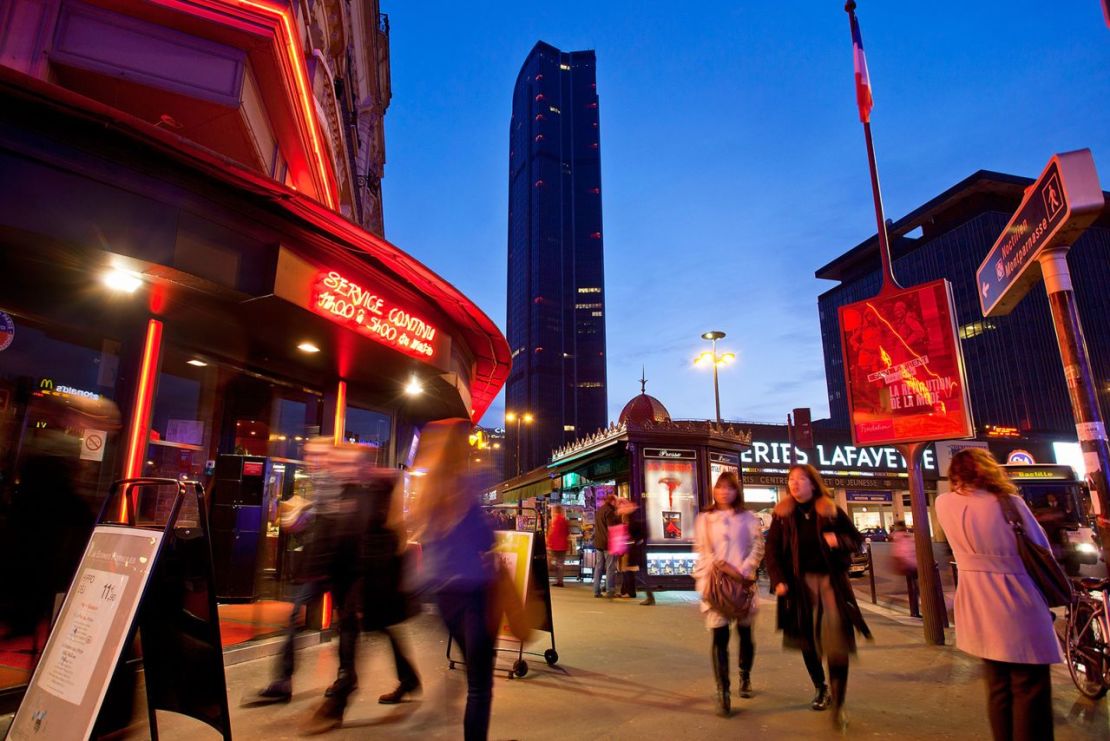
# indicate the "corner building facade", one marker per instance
pixel 556 288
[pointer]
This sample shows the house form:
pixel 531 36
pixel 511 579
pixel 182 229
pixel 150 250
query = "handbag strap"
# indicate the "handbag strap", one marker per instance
pixel 1010 514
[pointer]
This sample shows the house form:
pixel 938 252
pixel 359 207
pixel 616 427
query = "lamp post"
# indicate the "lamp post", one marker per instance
pixel 712 357
pixel 525 418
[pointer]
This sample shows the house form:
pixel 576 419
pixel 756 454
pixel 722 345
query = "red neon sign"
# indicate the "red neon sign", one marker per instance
pixel 367 312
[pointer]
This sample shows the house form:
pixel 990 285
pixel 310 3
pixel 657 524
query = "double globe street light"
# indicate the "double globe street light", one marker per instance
pixel 521 418
pixel 711 357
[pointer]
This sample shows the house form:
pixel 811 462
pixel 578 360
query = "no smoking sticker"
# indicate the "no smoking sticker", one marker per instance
pixel 92 445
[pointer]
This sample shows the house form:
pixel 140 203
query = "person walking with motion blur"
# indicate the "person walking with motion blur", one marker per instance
pixel 631 572
pixel 457 538
pixel 728 538
pixel 904 552
pixel 605 562
pixel 558 535
pixel 809 550
pixel 1001 615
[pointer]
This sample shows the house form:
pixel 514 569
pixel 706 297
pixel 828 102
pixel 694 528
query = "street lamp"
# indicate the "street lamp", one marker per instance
pixel 525 418
pixel 711 357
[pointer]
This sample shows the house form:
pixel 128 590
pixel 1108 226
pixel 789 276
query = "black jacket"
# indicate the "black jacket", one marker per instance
pixel 606 516
pixel 794 614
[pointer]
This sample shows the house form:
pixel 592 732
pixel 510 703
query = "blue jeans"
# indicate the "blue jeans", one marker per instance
pixel 607 562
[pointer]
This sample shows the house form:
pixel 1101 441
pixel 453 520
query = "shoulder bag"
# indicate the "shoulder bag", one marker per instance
pixel 1039 562
pixel 733 598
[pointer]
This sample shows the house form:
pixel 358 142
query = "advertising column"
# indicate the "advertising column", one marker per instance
pixel 670 507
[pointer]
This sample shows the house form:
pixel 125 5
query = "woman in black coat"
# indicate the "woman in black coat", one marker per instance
pixel 809 549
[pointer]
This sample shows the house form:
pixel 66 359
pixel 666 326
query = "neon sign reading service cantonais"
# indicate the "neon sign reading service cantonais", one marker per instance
pixel 366 312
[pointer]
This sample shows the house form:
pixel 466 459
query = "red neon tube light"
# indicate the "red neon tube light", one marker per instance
pixel 138 431
pixel 308 102
pixel 340 411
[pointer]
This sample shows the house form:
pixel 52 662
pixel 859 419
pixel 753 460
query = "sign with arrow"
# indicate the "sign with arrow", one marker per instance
pixel 1065 199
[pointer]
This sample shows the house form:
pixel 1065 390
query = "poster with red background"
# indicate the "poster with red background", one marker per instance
pixel 903 367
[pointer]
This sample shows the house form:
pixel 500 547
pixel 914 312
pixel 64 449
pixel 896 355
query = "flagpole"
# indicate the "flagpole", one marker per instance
pixel 889 282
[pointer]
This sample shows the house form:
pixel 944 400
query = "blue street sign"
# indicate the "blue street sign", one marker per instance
pixel 1063 202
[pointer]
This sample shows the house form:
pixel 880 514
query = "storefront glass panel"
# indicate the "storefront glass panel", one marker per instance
pixel 59 450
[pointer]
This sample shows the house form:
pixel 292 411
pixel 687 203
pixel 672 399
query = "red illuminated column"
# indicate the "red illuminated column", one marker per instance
pixel 138 428
pixel 340 421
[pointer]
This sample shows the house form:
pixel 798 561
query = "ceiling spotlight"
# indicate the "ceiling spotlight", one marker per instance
pixel 308 347
pixel 414 387
pixel 197 362
pixel 124 281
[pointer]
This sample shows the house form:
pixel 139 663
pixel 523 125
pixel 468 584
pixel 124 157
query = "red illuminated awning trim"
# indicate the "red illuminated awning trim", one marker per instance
pixel 483 338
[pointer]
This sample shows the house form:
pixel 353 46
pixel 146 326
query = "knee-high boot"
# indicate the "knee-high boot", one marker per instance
pixel 721 671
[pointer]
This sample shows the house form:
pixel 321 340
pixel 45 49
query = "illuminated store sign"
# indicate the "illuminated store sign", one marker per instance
pixel 47 386
pixel 839 457
pixel 367 312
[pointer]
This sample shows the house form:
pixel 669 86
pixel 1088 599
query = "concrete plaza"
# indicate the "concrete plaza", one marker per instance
pixel 633 672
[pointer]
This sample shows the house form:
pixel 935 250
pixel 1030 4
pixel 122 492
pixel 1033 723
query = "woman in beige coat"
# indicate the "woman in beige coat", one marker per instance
pixel 731 538
pixel 1001 616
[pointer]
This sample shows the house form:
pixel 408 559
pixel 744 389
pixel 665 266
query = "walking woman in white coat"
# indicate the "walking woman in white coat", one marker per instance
pixel 1001 615
pixel 730 537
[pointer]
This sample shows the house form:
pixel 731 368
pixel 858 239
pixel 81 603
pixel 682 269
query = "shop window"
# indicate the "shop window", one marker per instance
pixel 181 423
pixel 367 427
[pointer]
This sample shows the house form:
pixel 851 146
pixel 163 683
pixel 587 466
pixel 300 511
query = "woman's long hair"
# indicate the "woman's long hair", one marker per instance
pixel 975 468
pixel 728 478
pixel 442 495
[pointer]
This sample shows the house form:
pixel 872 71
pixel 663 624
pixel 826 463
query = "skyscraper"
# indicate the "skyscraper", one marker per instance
pixel 556 288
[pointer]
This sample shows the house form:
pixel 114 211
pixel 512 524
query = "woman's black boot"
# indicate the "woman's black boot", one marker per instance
pixel 745 683
pixel 720 671
pixel 822 699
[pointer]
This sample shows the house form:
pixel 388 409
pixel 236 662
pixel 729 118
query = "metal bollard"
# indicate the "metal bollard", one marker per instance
pixel 912 593
pixel 940 594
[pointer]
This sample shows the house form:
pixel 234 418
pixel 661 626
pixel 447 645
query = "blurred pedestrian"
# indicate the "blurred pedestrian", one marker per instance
pixel 558 535
pixel 605 562
pixel 809 549
pixel 385 602
pixel 633 557
pixel 729 538
pixel 1001 615
pixel 904 551
pixel 456 538
pixel 334 561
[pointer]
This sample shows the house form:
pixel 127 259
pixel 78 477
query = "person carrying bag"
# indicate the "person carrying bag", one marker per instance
pixel 729 543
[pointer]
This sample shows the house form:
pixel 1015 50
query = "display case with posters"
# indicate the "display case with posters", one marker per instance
pixel 670 497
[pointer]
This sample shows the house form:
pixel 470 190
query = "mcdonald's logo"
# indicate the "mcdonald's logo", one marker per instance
pixel 47 384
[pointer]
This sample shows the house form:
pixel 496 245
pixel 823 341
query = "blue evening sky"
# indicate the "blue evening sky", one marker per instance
pixel 733 162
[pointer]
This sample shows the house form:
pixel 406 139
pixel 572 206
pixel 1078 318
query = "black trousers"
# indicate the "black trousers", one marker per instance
pixel 720 652
pixel 1019 701
pixel 467 617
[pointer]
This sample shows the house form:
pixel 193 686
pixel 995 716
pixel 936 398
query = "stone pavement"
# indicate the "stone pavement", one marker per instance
pixel 633 672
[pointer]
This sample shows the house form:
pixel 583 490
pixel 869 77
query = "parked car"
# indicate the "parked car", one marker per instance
pixel 875 534
pixel 860 562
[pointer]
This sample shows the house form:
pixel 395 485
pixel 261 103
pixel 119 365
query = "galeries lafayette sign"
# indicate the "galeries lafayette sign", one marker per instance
pixel 366 311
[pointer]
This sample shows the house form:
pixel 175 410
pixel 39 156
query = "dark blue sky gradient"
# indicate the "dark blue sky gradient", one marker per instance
pixel 733 162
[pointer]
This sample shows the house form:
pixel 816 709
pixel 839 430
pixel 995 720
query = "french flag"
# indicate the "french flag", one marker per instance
pixel 863 80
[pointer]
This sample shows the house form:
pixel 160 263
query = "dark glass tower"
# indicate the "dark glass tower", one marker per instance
pixel 556 291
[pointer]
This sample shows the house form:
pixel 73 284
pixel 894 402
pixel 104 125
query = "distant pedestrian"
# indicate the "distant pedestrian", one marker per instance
pixel 809 549
pixel 1001 615
pixel 558 536
pixel 604 561
pixel 457 538
pixel 729 538
pixel 630 561
pixel 904 551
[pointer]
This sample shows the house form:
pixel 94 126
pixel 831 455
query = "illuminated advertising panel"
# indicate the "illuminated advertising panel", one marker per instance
pixel 670 494
pixel 365 310
pixel 903 367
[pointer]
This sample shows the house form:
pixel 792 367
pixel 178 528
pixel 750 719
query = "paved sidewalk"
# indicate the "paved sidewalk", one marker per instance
pixel 633 672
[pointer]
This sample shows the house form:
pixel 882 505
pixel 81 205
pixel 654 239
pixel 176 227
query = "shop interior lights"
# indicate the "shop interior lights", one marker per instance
pixel 197 362
pixel 308 347
pixel 124 281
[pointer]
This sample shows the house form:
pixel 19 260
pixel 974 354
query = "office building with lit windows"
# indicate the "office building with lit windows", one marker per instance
pixel 1014 373
pixel 556 288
